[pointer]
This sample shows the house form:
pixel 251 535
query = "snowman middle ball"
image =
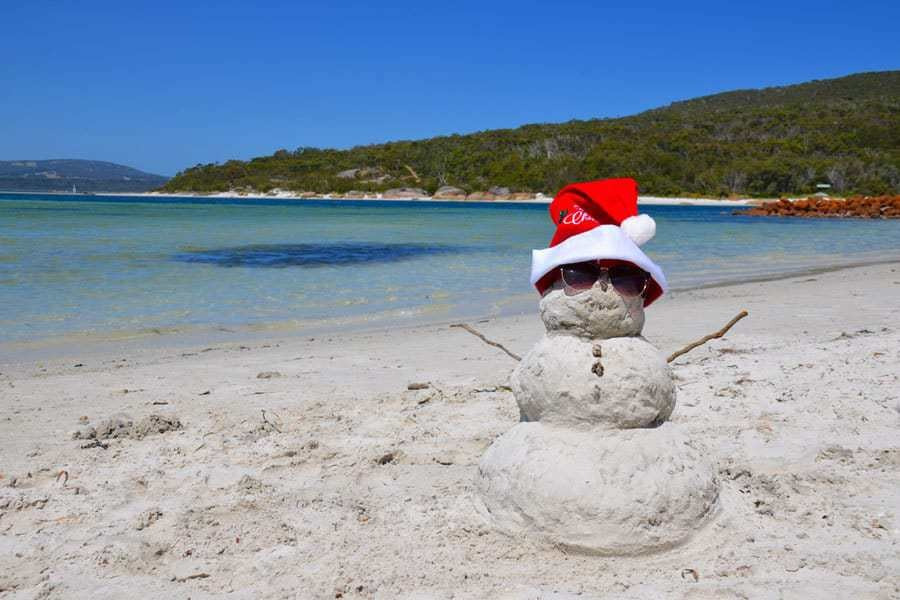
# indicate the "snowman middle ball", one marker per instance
pixel 559 382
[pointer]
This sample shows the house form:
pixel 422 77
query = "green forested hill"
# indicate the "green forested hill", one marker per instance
pixel 781 140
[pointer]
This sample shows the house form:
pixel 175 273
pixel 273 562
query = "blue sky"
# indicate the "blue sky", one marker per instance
pixel 165 85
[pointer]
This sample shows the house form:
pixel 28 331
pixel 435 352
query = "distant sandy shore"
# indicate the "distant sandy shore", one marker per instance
pixel 305 467
pixel 539 199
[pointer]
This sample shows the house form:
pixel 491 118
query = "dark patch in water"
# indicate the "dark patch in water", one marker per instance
pixel 313 255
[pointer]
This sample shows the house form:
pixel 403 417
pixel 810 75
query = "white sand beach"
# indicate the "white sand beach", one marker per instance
pixel 301 467
pixel 537 199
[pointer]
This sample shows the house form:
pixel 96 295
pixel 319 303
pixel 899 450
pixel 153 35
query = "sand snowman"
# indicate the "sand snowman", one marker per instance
pixel 593 466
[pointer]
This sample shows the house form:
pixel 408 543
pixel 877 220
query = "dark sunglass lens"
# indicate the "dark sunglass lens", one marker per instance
pixel 628 282
pixel 579 276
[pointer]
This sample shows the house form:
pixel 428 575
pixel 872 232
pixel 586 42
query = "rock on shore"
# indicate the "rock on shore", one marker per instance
pixel 448 192
pixel 405 192
pixel 878 207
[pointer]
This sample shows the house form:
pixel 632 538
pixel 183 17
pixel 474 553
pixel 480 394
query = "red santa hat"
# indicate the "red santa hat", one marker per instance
pixel 597 220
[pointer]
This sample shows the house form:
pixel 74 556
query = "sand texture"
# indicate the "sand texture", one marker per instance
pixel 193 476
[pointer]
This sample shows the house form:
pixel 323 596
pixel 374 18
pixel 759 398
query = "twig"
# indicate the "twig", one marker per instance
pixel 474 332
pixel 706 338
pixel 272 424
pixel 189 577
pixel 94 444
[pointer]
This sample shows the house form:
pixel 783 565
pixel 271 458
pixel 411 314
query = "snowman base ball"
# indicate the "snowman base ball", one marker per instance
pixel 605 493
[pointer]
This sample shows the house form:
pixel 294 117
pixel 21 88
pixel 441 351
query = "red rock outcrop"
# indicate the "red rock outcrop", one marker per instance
pixel 878 207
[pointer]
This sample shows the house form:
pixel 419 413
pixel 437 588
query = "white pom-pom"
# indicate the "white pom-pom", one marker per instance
pixel 640 228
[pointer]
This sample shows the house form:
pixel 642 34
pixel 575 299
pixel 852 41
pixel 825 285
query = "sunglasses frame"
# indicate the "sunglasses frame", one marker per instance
pixel 602 273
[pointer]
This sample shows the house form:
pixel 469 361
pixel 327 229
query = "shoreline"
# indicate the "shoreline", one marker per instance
pixel 61 345
pixel 537 199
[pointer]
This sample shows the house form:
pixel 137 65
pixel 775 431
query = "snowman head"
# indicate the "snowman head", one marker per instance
pixel 596 299
pixel 597 221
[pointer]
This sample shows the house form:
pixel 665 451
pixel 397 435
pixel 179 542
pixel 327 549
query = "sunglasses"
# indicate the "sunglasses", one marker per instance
pixel 629 281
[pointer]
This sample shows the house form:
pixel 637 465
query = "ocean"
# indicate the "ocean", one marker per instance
pixel 105 266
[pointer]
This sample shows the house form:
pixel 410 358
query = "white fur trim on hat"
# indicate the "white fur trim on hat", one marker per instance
pixel 640 228
pixel 601 242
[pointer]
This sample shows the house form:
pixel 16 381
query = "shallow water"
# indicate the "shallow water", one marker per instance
pixel 95 265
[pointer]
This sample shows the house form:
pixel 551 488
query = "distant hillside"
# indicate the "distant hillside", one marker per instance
pixel 86 175
pixel 768 142
pixel 880 86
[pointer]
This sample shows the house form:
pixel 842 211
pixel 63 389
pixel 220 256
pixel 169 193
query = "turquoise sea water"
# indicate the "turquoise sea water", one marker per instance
pixel 98 265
